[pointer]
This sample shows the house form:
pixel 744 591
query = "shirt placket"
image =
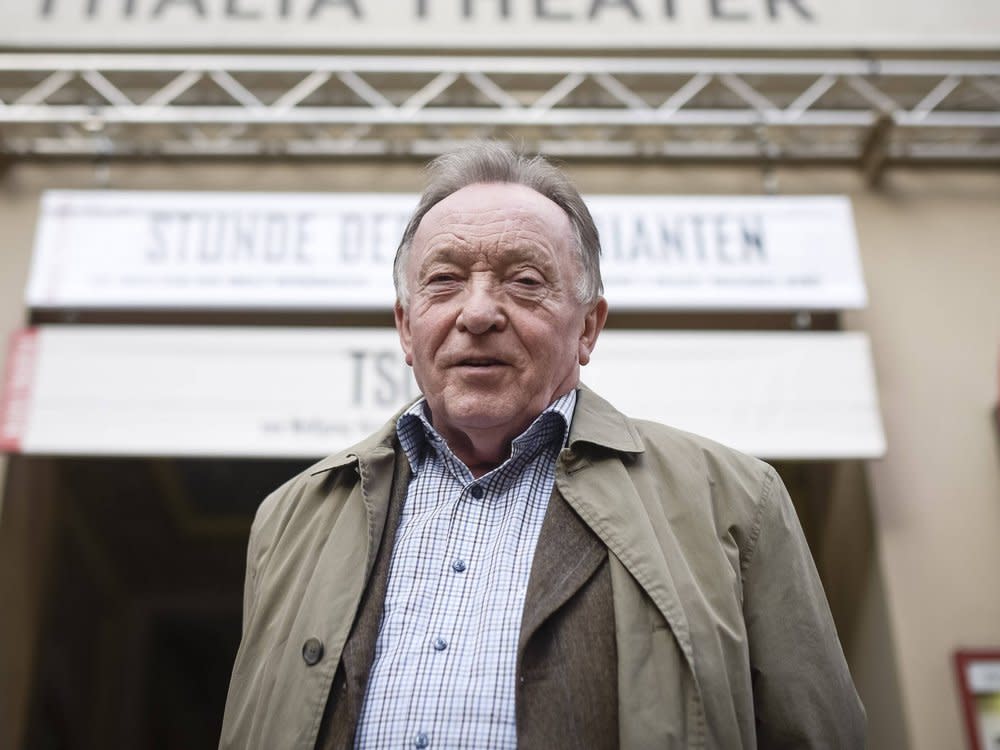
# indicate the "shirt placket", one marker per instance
pixel 469 607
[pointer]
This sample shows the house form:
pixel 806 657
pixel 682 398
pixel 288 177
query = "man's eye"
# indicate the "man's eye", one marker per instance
pixel 528 281
pixel 441 278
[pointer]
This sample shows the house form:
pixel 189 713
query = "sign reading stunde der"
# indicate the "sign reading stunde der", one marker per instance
pixel 106 249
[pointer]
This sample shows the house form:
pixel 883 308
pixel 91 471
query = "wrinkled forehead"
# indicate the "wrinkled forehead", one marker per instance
pixel 495 216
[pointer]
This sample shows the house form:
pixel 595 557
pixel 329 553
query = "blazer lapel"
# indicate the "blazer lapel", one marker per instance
pixel 566 556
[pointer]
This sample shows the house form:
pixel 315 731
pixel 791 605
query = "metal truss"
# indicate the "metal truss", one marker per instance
pixel 868 112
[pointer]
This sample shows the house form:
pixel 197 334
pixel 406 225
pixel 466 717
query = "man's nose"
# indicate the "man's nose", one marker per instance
pixel 481 311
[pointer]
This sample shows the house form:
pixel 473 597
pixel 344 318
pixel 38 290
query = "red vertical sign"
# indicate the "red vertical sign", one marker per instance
pixel 15 398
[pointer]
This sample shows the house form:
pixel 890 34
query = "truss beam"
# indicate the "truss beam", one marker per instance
pixel 757 109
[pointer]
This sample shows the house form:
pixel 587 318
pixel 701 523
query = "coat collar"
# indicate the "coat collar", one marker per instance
pixel 378 442
pixel 595 421
pixel 598 423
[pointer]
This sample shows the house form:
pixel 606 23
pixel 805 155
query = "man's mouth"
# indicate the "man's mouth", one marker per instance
pixel 480 362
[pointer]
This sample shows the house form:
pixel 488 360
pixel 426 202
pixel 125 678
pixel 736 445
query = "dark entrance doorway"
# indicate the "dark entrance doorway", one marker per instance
pixel 138 566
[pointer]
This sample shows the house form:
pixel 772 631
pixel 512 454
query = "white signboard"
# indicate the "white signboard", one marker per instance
pixel 97 390
pixel 210 250
pixel 106 249
pixel 729 252
pixel 984 676
pixel 548 24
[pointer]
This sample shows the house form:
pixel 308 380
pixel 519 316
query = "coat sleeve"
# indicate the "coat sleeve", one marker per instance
pixel 250 580
pixel 256 545
pixel 803 693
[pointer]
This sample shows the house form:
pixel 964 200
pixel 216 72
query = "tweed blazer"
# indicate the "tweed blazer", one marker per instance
pixel 723 635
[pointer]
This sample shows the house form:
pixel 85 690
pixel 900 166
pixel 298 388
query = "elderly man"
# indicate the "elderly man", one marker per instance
pixel 511 561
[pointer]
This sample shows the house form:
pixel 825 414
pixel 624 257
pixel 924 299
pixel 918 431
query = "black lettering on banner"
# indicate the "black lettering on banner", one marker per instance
pixel 719 12
pixel 245 237
pixel 389 391
pixel 130 8
pixel 641 245
pixel 302 237
pixel 210 249
pixel 385 229
pixel 216 251
pixel 596 6
pixel 802 10
pixel 195 5
pixel 421 9
pixel 376 241
pixel 670 241
pixel 351 232
pixel 721 238
pixel 668 8
pixel 698 230
pixel 46 10
pixel 285 8
pixel 275 237
pixel 504 7
pixel 753 237
pixel 156 252
pixel 183 228
pixel 351 4
pixel 544 13
pixel 92 8
pixel 233 10
pixel 381 377
pixel 613 231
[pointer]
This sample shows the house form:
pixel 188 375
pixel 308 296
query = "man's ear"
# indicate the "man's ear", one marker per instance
pixel 593 324
pixel 403 329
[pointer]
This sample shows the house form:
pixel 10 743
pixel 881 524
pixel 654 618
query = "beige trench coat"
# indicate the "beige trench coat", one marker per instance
pixel 724 636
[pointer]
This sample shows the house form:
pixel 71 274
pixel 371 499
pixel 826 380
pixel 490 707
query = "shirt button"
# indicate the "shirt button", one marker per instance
pixel 312 651
pixel 420 739
pixel 477 491
pixel 440 644
pixel 458 566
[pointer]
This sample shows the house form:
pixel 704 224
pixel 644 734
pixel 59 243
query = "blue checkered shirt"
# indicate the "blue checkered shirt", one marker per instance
pixel 446 655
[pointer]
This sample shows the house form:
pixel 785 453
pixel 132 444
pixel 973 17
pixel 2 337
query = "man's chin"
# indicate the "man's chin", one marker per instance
pixel 481 412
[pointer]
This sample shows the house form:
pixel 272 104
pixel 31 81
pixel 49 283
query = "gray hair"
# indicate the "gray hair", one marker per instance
pixel 495 162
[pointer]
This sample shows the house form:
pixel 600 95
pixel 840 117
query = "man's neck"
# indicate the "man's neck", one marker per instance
pixel 484 449
pixel 480 450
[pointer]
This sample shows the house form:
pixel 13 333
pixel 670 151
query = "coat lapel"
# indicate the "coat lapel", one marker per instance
pixel 598 487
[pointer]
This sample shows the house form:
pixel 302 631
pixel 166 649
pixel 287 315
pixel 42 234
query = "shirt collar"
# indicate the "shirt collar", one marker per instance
pixel 416 433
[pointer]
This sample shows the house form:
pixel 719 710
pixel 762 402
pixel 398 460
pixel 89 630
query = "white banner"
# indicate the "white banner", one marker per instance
pixel 104 390
pixel 334 251
pixel 499 24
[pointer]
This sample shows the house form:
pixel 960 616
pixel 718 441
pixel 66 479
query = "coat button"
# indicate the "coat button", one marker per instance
pixel 312 651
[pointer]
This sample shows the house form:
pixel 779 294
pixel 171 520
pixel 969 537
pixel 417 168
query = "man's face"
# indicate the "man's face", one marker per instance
pixel 493 328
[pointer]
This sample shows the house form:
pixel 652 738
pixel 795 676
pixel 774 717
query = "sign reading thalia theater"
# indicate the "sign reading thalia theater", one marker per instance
pixel 548 24
pixel 105 249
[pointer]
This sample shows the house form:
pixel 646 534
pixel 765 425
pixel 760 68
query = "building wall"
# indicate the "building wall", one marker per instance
pixel 909 547
pixel 933 270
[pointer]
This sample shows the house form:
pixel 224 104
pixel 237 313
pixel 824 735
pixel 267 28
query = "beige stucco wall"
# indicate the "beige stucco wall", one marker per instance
pixel 933 269
pixel 928 513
